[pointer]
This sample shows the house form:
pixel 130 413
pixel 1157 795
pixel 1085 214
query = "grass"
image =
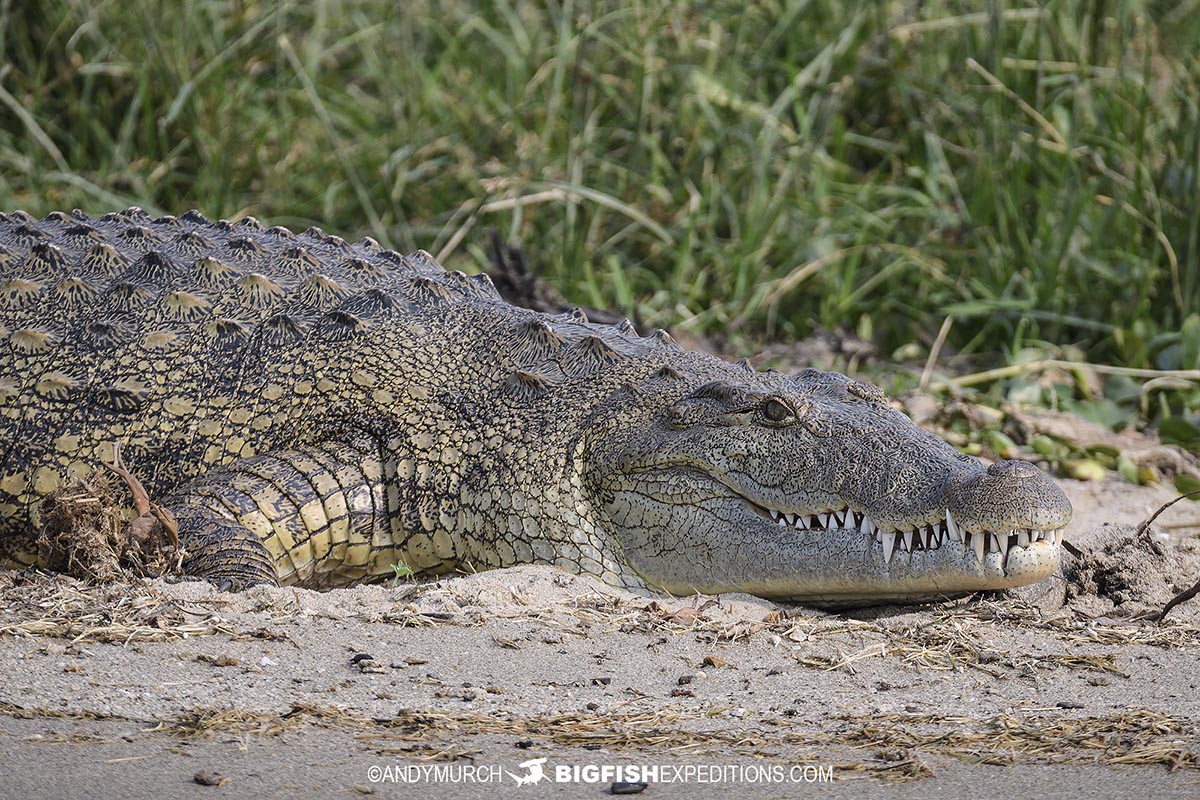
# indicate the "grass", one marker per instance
pixel 1026 171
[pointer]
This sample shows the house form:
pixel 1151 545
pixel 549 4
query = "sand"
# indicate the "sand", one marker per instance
pixel 174 689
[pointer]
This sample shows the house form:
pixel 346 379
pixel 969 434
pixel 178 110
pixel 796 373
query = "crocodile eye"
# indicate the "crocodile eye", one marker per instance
pixel 776 411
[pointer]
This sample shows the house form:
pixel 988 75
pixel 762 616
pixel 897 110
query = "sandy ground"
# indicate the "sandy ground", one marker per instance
pixel 167 690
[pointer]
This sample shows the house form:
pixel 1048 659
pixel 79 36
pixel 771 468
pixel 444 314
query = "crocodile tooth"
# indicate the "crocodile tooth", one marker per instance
pixel 952 527
pixel 1022 538
pixel 866 526
pixel 803 521
pixel 789 519
pixel 979 543
pixel 889 544
pixel 1001 541
pixel 912 538
pixel 824 520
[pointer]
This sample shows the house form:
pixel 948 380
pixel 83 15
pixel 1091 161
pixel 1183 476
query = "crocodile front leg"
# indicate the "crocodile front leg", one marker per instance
pixel 313 516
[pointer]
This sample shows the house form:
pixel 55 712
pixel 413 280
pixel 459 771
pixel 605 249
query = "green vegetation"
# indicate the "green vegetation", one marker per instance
pixel 1027 171
pixel 402 572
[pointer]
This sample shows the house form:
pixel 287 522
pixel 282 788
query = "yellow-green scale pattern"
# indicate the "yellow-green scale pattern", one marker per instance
pixel 314 411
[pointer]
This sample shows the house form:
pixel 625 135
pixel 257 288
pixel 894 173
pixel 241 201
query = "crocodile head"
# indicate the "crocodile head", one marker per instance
pixel 813 488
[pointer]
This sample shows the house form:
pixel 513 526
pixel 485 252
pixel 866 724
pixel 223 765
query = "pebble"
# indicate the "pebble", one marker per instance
pixel 209 778
pixel 367 664
pixel 627 787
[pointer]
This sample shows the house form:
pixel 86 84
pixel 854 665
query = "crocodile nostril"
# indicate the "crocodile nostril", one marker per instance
pixel 1013 469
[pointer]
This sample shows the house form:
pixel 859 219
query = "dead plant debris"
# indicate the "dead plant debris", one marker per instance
pixel 897 742
pixel 83 531
pixel 64 607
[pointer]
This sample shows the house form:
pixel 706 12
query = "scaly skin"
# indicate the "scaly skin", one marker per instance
pixel 314 412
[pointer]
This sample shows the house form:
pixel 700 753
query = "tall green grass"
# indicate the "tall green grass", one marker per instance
pixel 1026 169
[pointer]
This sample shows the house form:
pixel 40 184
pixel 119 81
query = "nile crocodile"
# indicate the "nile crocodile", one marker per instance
pixel 315 412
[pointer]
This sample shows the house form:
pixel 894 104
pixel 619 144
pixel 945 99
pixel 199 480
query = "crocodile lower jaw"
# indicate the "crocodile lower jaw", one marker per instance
pixel 933 536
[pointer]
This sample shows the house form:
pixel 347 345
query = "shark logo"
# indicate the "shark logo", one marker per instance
pixel 533 772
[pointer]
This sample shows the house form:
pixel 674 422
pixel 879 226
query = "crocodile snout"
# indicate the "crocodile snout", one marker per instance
pixel 1008 495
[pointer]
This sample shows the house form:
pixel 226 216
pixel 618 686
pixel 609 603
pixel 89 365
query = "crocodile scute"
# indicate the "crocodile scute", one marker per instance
pixel 317 412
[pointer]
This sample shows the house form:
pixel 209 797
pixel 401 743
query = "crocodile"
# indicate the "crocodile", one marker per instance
pixel 321 413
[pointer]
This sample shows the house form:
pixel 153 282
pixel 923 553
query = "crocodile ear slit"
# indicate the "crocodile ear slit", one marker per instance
pixel 720 391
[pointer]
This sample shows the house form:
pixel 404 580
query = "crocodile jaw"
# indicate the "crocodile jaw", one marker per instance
pixel 827 560
pixel 927 562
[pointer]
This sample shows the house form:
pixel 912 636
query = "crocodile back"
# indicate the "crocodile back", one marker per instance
pixel 192 342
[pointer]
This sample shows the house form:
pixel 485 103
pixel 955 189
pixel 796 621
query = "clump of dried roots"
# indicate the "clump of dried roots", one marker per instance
pixel 84 532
